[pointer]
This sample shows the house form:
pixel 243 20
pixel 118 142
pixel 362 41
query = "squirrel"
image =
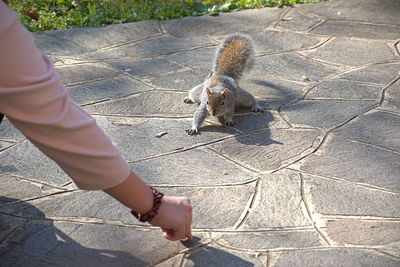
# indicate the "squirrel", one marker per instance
pixel 220 93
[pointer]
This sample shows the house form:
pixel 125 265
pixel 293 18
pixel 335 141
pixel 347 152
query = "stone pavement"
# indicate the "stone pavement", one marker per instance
pixel 314 181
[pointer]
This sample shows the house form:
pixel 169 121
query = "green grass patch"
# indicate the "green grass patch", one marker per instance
pixel 46 15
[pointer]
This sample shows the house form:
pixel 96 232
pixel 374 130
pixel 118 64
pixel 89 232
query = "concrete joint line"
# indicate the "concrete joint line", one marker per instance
pixel 316 248
pixel 354 68
pixel 25 217
pixel 240 165
pixel 322 248
pixel 182 150
pixel 325 62
pixel 89 81
pixel 357 82
pixel 340 99
pixel 141 116
pixel 127 74
pixel 283 117
pixel 291 229
pixel 374 146
pixel 383 92
pixel 282 249
pixel 369 186
pixel 365 22
pixel 72 63
pixel 250 204
pixel 372 107
pixel 278 230
pixel 304 95
pixel 94 221
pixel 111 47
pixel 250 76
pixel 186 251
pixel 320 44
pixel 206 186
pixel 313 27
pixel 397 48
pixel 97 102
pixel 36 198
pixel 269 259
pixel 49 252
pixel 362 218
pixel 7 234
pixel 9 147
pixel 162 28
pixel 117 98
pixel 302 157
pixel 387 253
pixel 309 212
pixel 33 181
pixel 283 14
pixel 388 111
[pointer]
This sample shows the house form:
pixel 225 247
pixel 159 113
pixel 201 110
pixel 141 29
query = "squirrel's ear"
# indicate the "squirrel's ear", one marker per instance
pixel 225 92
pixel 208 91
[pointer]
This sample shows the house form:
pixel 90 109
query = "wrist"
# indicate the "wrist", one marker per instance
pixel 146 203
pixel 133 193
pixel 150 214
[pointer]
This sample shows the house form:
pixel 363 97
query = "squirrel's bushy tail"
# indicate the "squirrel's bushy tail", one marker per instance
pixel 234 56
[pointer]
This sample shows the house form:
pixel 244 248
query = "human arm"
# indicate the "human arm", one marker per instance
pixel 35 101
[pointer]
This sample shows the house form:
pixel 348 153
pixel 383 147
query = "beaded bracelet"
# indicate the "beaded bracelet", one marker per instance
pixel 148 216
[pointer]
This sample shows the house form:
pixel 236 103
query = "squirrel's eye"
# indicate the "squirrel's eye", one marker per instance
pixel 222 103
pixel 207 102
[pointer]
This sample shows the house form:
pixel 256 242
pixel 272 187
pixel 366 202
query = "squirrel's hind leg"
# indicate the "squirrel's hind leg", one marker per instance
pixel 194 94
pixel 244 98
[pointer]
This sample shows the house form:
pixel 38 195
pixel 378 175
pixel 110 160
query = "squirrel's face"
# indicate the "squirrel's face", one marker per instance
pixel 216 102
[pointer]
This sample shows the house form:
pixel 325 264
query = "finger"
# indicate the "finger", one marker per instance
pixel 189 232
pixel 190 210
pixel 171 237
pixel 168 231
pixel 180 231
pixel 169 234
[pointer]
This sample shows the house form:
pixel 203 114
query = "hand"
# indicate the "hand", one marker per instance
pixel 174 217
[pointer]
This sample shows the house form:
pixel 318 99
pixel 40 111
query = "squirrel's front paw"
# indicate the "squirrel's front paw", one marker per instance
pixel 257 108
pixel 188 100
pixel 230 123
pixel 192 131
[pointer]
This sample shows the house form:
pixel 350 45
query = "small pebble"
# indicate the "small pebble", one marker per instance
pixel 305 78
pixel 161 134
pixel 128 70
pixel 339 13
pixel 225 172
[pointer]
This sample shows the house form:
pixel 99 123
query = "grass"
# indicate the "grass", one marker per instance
pixel 45 15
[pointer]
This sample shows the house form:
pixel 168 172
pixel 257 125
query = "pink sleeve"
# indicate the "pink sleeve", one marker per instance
pixel 35 101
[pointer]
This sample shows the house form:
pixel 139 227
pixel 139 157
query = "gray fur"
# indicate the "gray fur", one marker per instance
pixel 217 83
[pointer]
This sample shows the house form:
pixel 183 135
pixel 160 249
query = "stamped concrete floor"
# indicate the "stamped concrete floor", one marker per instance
pixel 314 181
